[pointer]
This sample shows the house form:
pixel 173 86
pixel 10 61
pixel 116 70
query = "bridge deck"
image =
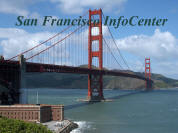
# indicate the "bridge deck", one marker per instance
pixel 37 67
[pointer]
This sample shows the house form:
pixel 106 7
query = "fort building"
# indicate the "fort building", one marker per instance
pixel 33 112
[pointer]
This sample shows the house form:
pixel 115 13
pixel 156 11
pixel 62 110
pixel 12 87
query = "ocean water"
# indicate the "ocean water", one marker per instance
pixel 129 112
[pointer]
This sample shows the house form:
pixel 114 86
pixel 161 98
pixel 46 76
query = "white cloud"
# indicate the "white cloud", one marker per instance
pixel 16 40
pixel 79 6
pixel 13 7
pixel 17 7
pixel 161 45
pixel 21 7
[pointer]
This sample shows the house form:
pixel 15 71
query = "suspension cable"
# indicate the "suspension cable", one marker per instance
pixel 44 41
pixel 54 44
pixel 116 45
pixel 112 53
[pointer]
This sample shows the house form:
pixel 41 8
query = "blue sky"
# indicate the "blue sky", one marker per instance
pixel 160 43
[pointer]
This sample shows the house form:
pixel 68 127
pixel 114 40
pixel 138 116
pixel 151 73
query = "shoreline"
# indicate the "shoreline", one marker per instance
pixel 65 126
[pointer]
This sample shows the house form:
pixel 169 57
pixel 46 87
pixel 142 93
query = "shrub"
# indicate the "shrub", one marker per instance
pixel 18 126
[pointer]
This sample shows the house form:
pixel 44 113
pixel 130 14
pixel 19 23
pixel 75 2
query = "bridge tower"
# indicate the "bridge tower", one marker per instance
pixel 148 84
pixel 95 82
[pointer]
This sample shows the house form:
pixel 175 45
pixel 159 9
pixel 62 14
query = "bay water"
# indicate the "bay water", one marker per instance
pixel 129 112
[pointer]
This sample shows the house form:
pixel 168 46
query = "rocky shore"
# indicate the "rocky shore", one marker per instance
pixel 65 126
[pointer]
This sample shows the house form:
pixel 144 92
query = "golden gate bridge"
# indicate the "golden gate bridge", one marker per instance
pixel 67 52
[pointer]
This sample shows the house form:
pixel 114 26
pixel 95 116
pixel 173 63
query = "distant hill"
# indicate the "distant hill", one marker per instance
pixel 61 80
pixel 73 81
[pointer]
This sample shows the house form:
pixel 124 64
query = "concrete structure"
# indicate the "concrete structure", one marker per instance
pixel 23 91
pixel 10 79
pixel 1 58
pixel 34 113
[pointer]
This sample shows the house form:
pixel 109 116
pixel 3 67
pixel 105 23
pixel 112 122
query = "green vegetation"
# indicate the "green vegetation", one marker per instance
pixel 73 81
pixel 18 126
pixel 161 81
pixel 160 84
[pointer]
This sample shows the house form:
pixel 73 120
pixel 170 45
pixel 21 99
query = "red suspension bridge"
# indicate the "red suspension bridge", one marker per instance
pixel 67 52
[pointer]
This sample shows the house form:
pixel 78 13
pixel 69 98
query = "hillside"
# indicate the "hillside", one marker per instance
pixel 73 81
pixel 60 80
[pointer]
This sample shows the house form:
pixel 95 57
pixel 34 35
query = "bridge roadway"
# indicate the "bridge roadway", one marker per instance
pixel 37 67
pixel 12 75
